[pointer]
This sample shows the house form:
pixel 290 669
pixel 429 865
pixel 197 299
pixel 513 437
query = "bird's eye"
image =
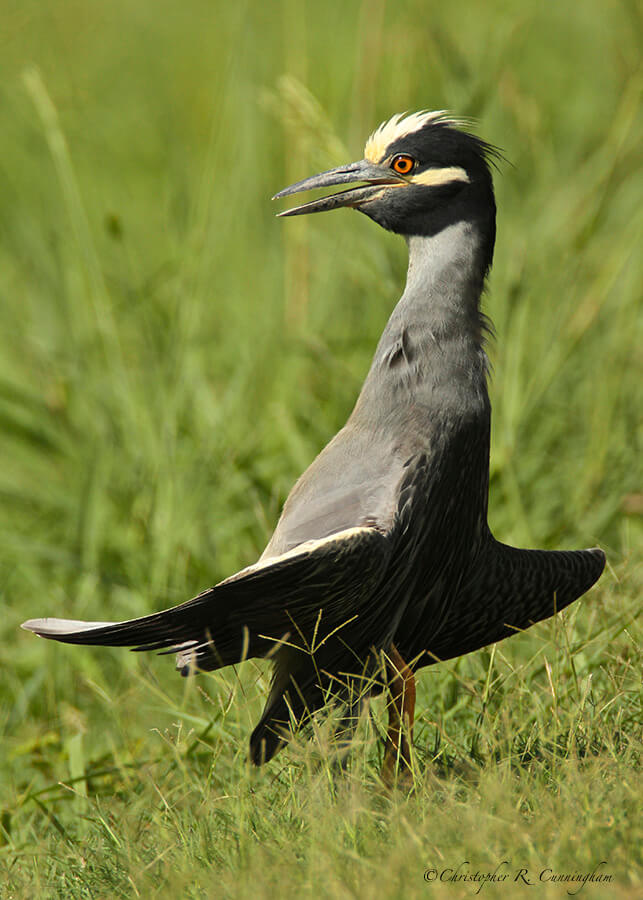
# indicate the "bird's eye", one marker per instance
pixel 402 163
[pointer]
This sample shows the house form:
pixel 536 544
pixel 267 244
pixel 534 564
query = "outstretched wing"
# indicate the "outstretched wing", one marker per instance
pixel 508 591
pixel 307 598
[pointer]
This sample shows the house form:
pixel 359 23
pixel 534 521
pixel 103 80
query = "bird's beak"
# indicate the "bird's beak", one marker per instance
pixel 362 171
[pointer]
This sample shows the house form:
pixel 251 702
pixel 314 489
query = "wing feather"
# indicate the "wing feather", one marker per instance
pixel 303 597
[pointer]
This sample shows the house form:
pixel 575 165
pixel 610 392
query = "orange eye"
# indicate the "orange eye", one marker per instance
pixel 402 164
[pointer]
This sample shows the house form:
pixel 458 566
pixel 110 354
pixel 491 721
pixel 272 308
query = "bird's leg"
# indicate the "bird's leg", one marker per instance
pixel 401 711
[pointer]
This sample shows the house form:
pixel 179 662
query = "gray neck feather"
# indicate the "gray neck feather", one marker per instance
pixel 443 284
pixel 431 354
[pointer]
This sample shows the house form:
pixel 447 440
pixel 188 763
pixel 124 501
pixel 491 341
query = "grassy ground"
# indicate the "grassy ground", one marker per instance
pixel 172 357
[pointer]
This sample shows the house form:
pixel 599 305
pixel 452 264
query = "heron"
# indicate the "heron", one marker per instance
pixel 382 560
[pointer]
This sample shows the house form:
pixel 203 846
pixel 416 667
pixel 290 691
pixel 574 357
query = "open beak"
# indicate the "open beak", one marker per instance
pixel 357 172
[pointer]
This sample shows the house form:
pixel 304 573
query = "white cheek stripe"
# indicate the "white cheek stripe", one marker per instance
pixel 434 177
pixel 430 178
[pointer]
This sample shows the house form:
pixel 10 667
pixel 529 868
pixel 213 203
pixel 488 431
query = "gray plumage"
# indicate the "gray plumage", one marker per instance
pixel 384 540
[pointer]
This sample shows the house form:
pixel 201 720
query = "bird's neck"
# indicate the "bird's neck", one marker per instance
pixel 444 282
pixel 431 352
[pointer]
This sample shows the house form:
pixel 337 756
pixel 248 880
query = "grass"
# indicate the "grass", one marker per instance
pixel 173 357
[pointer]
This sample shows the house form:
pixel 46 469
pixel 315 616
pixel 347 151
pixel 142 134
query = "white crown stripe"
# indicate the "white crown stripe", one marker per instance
pixel 401 125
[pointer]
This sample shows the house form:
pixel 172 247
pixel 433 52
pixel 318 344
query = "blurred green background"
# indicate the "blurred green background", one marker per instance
pixel 172 357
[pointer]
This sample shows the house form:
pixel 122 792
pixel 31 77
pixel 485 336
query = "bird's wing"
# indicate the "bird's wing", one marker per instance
pixel 508 590
pixel 354 482
pixel 308 598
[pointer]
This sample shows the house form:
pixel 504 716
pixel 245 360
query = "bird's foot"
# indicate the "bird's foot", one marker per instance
pixel 396 773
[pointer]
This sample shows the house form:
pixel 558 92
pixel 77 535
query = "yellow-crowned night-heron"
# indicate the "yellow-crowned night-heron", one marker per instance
pixel 382 560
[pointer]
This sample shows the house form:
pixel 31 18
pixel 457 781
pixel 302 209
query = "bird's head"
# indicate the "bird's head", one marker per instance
pixel 420 173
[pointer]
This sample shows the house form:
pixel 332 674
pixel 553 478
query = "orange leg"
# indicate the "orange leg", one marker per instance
pixel 401 712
